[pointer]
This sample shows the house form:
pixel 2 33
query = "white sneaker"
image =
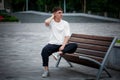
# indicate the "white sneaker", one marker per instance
pixel 56 55
pixel 45 74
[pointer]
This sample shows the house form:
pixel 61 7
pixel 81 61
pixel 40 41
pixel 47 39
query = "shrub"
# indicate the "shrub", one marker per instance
pixel 1 18
pixel 8 18
pixel 118 41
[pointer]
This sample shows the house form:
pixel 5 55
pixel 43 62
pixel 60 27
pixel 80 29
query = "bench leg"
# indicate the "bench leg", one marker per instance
pixel 107 72
pixel 58 61
pixel 57 64
pixel 69 63
pixel 98 75
pixel 100 71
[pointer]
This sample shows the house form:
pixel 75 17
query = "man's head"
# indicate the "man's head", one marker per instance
pixel 58 12
pixel 55 9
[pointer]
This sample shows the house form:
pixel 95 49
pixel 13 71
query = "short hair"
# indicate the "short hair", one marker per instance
pixel 55 9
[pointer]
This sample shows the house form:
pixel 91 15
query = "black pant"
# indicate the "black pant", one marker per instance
pixel 51 48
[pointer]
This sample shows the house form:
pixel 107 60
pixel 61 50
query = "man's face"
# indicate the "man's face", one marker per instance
pixel 58 14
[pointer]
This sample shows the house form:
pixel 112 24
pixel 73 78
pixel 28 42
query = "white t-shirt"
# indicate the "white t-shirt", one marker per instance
pixel 58 31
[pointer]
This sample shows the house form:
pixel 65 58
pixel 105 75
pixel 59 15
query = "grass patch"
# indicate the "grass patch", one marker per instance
pixel 118 41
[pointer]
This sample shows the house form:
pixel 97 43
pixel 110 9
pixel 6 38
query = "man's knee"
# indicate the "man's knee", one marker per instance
pixel 74 45
pixel 45 51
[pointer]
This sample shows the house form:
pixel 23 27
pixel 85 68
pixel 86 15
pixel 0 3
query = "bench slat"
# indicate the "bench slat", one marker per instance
pixel 93 47
pixel 90 52
pixel 93 37
pixel 89 41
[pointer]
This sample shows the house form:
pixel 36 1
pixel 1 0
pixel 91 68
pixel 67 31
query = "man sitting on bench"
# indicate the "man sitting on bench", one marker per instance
pixel 60 34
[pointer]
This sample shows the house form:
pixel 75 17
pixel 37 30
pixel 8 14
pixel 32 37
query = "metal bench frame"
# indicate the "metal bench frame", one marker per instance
pixel 85 58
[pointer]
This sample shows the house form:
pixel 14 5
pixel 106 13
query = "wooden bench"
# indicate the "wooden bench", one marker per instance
pixel 92 51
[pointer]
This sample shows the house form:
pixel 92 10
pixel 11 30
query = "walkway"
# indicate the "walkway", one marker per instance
pixel 21 44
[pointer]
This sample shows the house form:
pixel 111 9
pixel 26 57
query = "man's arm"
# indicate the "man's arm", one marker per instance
pixel 48 20
pixel 64 43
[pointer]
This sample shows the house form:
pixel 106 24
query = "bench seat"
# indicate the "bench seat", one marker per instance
pixel 92 51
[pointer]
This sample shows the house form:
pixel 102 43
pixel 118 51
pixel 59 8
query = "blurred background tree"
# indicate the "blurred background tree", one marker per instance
pixel 18 5
pixel 99 7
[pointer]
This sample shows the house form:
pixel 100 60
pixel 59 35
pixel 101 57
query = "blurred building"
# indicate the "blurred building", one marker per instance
pixel 1 4
pixel 5 5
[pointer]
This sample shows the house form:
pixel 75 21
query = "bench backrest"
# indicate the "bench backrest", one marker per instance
pixel 92 51
pixel 92 46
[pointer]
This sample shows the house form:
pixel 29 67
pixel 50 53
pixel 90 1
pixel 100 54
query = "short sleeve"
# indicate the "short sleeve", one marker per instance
pixel 67 29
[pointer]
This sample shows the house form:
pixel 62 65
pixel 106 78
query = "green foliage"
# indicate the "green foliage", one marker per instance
pixel 18 1
pixel 112 7
pixel 96 5
pixel 18 5
pixel 39 4
pixel 118 41
pixel 8 18
pixel 72 5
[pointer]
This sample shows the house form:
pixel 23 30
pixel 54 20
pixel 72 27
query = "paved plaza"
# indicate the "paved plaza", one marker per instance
pixel 21 45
